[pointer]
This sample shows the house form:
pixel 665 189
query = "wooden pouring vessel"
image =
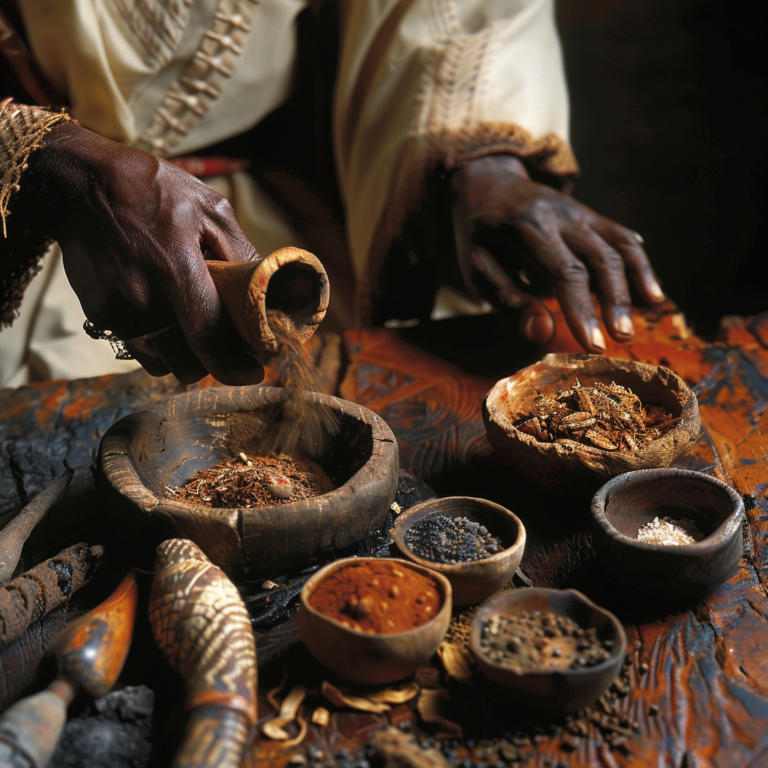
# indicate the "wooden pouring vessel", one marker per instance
pixel 290 280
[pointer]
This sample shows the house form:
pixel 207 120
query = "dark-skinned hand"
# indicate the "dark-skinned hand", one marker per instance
pixel 557 241
pixel 132 229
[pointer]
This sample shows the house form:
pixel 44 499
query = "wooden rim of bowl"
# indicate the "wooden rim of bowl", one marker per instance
pixel 709 544
pixel 115 461
pixel 337 565
pixel 399 528
pixel 689 424
pixel 520 594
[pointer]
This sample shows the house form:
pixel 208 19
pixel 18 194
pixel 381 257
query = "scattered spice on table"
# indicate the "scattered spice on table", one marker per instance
pixel 257 481
pixel 451 540
pixel 377 597
pixel 665 530
pixel 610 417
pixel 536 640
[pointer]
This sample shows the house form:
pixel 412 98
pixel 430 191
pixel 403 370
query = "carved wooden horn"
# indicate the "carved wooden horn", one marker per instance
pixel 290 280
pixel 203 628
pixel 91 652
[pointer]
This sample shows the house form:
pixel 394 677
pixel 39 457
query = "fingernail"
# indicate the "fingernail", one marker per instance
pixel 640 239
pixel 598 340
pixel 624 324
pixel 656 291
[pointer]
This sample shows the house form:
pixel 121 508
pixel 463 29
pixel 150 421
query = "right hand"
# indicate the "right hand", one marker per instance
pixel 132 229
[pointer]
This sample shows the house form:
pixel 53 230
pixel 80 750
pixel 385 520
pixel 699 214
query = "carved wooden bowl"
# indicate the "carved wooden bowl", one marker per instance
pixel 475 581
pixel 165 445
pixel 683 572
pixel 567 690
pixel 371 659
pixel 569 467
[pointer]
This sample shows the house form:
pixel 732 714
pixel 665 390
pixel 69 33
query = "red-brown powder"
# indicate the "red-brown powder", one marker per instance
pixel 378 597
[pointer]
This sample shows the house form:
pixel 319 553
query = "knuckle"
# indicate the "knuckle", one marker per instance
pixel 223 208
pixel 570 272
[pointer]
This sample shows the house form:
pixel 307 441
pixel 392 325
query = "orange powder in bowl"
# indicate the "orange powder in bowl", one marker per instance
pixel 378 597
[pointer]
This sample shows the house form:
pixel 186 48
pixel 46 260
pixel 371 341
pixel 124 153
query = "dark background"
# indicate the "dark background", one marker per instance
pixel 668 116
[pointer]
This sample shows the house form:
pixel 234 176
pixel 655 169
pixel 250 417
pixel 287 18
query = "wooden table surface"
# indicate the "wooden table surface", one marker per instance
pixel 707 665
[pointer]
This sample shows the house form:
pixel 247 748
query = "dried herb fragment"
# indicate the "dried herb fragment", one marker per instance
pixel 609 417
pixel 258 481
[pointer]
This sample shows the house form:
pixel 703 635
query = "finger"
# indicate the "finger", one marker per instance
pixel 208 334
pixel 175 353
pixel 223 236
pixel 629 245
pixel 569 281
pixel 536 322
pixel 609 268
pixel 146 355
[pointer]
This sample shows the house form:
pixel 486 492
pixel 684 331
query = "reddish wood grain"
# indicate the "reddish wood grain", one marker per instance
pixel 708 666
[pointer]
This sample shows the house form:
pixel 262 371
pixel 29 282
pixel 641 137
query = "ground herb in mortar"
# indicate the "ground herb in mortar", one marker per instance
pixel 671 532
pixel 604 416
pixel 451 540
pixel 535 641
pixel 258 481
pixel 377 597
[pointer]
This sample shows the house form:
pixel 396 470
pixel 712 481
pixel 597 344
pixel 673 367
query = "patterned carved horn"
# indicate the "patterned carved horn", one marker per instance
pixel 203 628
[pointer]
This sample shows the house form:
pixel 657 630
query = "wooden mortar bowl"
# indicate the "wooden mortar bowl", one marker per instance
pixel 571 468
pixel 165 445
pixel 671 573
pixel 566 690
pixel 475 581
pixel 369 659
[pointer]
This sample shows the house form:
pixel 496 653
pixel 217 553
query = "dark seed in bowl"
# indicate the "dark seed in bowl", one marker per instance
pixel 535 641
pixel 451 540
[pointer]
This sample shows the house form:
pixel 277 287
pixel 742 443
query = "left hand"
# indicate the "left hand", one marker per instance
pixel 558 238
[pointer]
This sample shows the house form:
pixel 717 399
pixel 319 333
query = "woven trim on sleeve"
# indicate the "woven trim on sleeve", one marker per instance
pixel 191 97
pixel 22 131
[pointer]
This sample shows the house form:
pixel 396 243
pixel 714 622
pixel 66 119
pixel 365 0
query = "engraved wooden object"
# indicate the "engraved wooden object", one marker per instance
pixel 290 280
pixel 39 590
pixel 203 628
pixel 15 534
pixel 91 652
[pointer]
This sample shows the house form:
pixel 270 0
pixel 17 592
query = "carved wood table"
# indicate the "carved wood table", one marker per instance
pixel 699 676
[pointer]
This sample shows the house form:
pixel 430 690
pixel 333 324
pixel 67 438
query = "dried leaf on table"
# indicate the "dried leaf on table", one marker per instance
pixel 395 749
pixel 335 696
pixel 288 711
pixel 301 720
pixel 396 695
pixel 429 706
pixel 321 716
pixel 457 661
pixel 427 677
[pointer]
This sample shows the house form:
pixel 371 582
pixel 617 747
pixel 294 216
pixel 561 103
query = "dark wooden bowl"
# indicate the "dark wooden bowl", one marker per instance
pixel 569 467
pixel 365 658
pixel 685 572
pixel 144 452
pixel 471 582
pixel 554 691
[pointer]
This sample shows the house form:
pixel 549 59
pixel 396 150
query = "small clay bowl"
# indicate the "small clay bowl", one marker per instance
pixel 364 658
pixel 144 453
pixel 668 572
pixel 475 581
pixel 569 467
pixel 566 690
